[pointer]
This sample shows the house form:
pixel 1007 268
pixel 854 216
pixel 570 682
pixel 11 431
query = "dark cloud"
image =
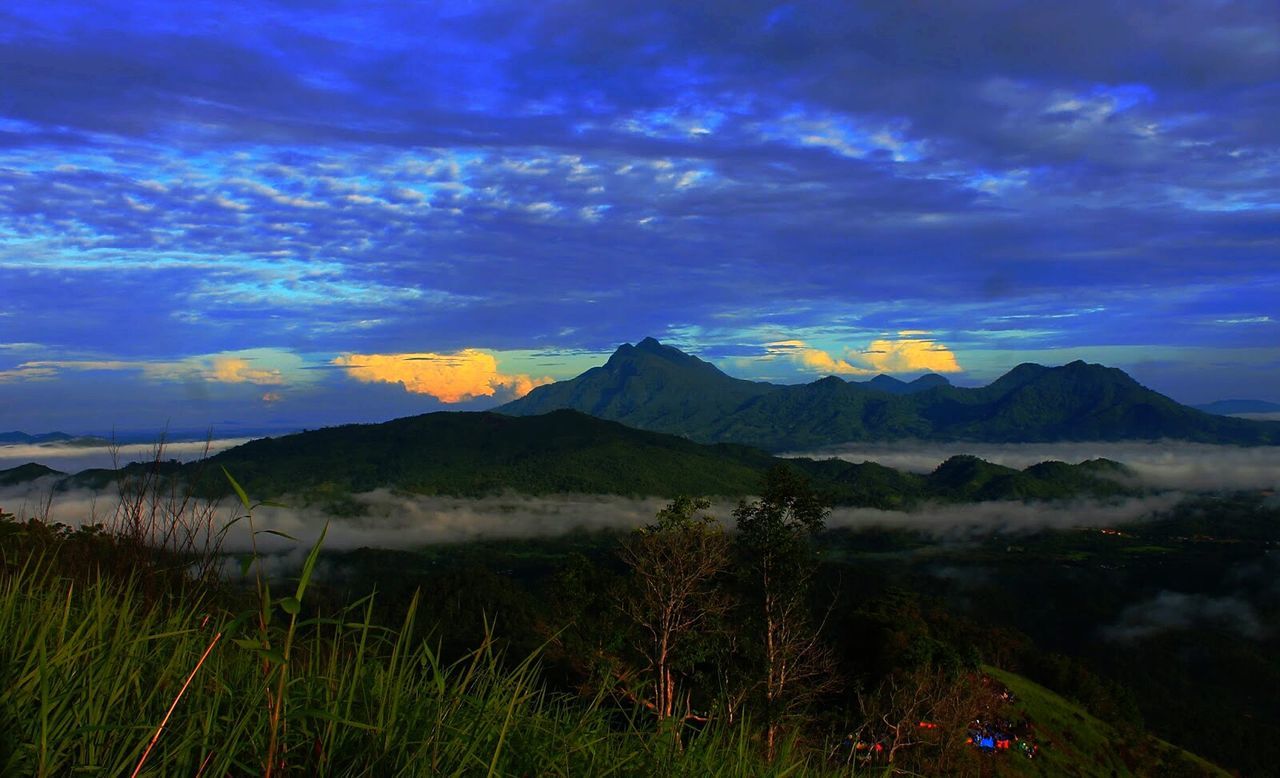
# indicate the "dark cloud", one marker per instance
pixel 340 178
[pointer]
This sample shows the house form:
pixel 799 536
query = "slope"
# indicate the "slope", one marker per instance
pixel 1075 743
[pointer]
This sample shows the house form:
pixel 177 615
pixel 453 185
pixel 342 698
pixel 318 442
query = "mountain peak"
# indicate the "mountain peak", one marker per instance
pixel 930 380
pixel 884 380
pixel 647 384
pixel 651 347
pixel 892 385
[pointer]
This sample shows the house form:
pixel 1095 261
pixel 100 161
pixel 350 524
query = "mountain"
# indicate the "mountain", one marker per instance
pixel 650 386
pixel 1231 407
pixel 25 473
pixel 567 452
pixel 59 438
pixel 887 383
pixel 659 388
pixel 473 454
pixel 46 437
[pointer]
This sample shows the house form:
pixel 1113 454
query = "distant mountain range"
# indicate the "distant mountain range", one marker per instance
pixel 18 438
pixel 660 388
pixel 1231 407
pixel 476 454
pixel 22 437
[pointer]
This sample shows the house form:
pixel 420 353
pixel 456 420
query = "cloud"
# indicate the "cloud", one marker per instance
pixel 813 359
pixel 450 378
pixel 949 520
pixel 27 372
pixel 228 368
pixel 456 170
pixel 233 370
pixel 398 520
pixel 1169 611
pixel 1167 464
pixel 74 458
pixel 392 520
pixel 908 353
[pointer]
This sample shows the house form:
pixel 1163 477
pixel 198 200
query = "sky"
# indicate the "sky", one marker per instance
pixel 283 215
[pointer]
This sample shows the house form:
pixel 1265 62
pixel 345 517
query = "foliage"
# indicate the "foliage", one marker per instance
pixel 672 597
pixel 777 561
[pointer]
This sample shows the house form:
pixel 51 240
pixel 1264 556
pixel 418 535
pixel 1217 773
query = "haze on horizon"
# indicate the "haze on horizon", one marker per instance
pixel 252 216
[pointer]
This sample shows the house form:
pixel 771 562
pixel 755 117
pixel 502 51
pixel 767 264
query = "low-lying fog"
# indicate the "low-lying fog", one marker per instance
pixel 399 520
pixel 74 458
pixel 1165 464
pixel 406 521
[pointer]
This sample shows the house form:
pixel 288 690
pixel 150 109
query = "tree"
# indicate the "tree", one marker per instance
pixel 778 562
pixel 920 719
pixel 672 597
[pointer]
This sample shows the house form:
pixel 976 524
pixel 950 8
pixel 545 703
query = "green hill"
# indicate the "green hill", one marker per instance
pixel 24 473
pixel 483 453
pixel 474 454
pixel 659 388
pixel 471 454
pixel 1075 743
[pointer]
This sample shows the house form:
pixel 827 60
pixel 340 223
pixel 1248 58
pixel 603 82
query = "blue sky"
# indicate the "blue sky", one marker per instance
pixel 286 214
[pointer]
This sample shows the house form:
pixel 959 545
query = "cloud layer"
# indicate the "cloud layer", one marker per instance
pixel 73 459
pixel 1021 182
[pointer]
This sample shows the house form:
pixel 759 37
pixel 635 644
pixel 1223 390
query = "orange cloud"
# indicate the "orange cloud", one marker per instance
pixel 909 353
pixel 813 358
pixel 450 378
pixel 233 370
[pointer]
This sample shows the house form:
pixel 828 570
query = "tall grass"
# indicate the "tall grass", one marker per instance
pixel 89 671
pixel 120 656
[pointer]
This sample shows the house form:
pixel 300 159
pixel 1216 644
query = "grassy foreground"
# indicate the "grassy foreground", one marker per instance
pixel 89 670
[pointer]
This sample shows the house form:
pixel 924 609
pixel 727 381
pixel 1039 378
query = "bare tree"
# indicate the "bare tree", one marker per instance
pixel 778 561
pixel 920 720
pixel 674 563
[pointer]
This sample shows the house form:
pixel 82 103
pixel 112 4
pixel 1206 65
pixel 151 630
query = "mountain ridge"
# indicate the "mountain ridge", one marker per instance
pixel 1234 406
pixel 472 454
pixel 660 388
pixel 17 436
